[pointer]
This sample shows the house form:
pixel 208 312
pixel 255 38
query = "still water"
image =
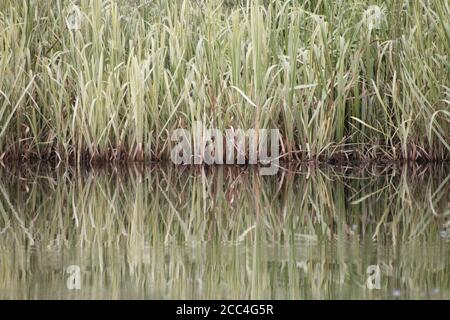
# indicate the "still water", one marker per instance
pixel 164 232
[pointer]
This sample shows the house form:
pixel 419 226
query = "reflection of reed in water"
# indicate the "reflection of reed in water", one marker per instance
pixel 214 233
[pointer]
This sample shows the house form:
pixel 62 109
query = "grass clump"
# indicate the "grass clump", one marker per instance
pixel 336 82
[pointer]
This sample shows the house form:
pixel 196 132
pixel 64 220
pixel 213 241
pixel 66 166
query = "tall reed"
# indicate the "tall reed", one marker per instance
pixel 335 85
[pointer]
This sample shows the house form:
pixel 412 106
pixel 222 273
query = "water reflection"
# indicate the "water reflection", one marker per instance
pixel 224 232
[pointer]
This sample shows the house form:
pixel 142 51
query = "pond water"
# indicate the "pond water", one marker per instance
pixel 165 232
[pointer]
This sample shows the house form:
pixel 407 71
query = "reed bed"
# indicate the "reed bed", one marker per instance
pixel 225 232
pixel 338 85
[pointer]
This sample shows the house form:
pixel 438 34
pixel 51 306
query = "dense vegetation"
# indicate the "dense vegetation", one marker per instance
pixel 340 79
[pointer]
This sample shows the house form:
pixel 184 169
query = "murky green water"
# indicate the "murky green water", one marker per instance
pixel 225 233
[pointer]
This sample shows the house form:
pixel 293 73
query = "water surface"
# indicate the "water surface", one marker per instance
pixel 164 232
